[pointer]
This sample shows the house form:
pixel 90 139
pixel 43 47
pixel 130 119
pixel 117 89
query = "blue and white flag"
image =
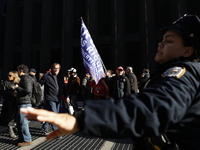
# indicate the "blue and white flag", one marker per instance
pixel 91 58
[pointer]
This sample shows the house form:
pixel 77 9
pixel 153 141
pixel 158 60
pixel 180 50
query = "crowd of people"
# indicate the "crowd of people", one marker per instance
pixel 160 111
pixel 58 91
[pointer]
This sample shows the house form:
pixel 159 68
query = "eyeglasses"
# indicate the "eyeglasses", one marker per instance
pixel 9 75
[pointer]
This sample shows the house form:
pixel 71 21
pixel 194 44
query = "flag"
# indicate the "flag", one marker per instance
pixel 91 58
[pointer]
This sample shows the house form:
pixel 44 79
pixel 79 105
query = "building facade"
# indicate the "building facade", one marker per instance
pixel 125 32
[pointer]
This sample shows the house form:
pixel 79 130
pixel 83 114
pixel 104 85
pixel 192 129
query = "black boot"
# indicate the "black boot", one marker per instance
pixel 11 132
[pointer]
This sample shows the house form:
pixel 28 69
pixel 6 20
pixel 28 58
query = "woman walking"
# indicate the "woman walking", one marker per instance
pixel 8 113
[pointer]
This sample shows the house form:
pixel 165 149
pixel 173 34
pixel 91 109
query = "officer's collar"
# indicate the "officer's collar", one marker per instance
pixel 174 60
pixel 177 59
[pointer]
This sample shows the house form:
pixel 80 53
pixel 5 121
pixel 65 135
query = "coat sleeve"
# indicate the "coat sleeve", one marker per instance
pixel 148 113
pixel 127 86
pixel 42 80
pixel 26 88
pixel 7 88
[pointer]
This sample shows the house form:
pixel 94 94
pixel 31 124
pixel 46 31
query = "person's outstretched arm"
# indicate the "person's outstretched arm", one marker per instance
pixel 66 123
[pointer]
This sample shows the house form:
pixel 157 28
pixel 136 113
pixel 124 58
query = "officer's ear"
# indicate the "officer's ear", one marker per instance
pixel 188 52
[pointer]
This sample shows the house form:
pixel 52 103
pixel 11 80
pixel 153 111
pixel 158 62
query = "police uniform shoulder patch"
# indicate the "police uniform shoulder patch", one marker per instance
pixel 175 71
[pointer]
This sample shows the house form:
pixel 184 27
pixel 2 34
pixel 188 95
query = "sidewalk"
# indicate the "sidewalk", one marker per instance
pixel 68 142
pixel 2 128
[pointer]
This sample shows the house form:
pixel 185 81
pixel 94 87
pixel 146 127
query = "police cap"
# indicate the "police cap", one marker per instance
pixel 189 27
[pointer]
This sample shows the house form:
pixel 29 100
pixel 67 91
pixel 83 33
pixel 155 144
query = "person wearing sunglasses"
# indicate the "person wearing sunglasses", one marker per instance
pixel 9 108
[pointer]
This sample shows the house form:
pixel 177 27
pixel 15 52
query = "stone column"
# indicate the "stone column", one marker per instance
pixel 27 32
pixel 9 38
pixel 147 33
pixel 118 36
pixel 67 38
pixel 46 31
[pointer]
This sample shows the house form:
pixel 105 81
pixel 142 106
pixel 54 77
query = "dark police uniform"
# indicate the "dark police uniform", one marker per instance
pixel 170 105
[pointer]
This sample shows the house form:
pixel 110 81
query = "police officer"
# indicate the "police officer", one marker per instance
pixel 168 107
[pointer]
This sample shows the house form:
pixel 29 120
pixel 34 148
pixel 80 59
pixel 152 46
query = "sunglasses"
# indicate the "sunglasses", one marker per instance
pixel 9 75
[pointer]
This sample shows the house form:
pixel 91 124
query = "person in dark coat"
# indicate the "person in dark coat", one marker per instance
pixel 165 114
pixel 143 79
pixel 86 88
pixel 132 79
pixel 32 73
pixel 109 75
pixel 24 96
pixel 120 84
pixel 73 88
pixel 9 108
pixel 54 89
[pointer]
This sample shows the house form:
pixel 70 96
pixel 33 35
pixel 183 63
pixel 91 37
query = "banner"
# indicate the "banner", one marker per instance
pixel 91 58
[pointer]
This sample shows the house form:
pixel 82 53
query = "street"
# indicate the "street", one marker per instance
pixel 75 141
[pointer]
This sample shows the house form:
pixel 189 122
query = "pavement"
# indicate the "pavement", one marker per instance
pixel 76 141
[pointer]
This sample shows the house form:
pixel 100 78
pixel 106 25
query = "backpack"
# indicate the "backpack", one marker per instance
pixel 37 94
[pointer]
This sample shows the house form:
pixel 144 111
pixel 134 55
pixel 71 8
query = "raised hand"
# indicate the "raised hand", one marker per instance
pixel 67 124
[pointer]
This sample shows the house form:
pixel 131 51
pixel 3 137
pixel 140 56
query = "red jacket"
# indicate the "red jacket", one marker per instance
pixel 100 90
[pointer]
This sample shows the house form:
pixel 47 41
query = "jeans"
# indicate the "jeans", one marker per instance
pixel 51 106
pixel 22 125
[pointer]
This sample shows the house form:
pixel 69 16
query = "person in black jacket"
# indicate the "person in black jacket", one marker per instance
pixel 144 78
pixel 165 114
pixel 54 88
pixel 9 108
pixel 86 88
pixel 120 84
pixel 24 94
pixel 73 88
pixel 32 73
pixel 132 79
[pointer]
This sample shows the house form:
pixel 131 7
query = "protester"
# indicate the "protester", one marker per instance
pixel 73 87
pixel 120 84
pixel 54 89
pixel 100 90
pixel 9 108
pixel 165 114
pixel 86 88
pixel 132 79
pixel 32 73
pixel 109 75
pixel 24 94
pixel 143 79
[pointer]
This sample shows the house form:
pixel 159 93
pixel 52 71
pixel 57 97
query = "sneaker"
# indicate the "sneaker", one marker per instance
pixel 24 143
pixel 46 132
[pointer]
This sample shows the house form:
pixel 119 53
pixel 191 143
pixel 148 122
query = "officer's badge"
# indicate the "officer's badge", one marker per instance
pixel 174 72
